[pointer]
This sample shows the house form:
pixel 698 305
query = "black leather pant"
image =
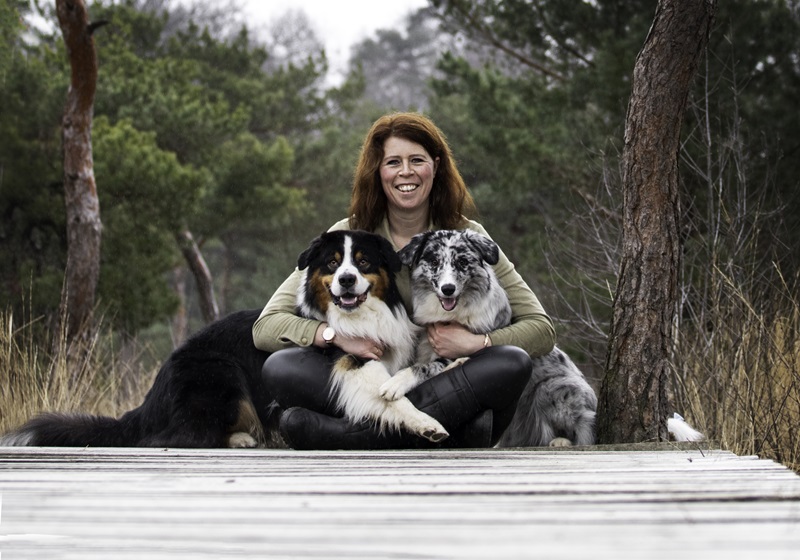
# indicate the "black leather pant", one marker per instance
pixel 492 379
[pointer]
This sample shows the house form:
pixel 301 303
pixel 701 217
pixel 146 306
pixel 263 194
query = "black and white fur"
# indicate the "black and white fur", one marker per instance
pixel 349 282
pixel 207 393
pixel 452 280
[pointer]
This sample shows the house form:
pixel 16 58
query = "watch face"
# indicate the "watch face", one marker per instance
pixel 328 334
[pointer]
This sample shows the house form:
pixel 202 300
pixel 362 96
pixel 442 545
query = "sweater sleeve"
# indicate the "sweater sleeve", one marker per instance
pixel 531 328
pixel 279 326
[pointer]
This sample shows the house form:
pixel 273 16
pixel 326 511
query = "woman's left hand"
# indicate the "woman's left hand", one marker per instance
pixel 451 340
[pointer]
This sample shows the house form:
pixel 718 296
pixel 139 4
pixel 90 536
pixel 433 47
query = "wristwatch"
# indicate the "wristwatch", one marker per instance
pixel 328 335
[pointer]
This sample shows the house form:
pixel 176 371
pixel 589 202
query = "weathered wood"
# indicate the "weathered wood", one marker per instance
pixel 135 503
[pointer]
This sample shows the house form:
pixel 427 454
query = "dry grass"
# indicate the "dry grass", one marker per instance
pixel 39 373
pixel 738 371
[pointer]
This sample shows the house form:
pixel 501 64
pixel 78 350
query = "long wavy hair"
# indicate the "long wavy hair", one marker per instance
pixel 450 201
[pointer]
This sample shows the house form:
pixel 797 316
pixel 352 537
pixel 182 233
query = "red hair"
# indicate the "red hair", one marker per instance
pixel 450 201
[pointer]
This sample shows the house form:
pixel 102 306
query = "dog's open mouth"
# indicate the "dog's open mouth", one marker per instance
pixel 348 302
pixel 448 303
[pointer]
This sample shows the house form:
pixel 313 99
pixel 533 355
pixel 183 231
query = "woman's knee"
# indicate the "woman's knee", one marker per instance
pixel 297 377
pixel 519 362
pixel 279 366
pixel 511 362
pixel 499 373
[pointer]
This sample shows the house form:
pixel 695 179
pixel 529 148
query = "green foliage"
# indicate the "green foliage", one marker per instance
pixel 146 196
pixel 190 131
pixel 206 129
pixel 32 229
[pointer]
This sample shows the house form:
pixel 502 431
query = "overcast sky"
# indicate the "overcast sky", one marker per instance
pixel 339 23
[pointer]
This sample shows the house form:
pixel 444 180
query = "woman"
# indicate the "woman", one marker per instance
pixel 406 182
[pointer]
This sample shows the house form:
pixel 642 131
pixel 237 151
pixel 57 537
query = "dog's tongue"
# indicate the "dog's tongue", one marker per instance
pixel 348 300
pixel 448 303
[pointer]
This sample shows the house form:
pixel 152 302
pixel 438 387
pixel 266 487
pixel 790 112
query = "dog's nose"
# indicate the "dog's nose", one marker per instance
pixel 448 289
pixel 347 280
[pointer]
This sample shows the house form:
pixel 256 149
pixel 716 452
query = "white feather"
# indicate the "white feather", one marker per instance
pixel 682 431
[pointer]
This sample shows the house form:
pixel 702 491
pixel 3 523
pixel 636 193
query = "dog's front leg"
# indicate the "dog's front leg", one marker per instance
pixel 358 389
pixel 406 379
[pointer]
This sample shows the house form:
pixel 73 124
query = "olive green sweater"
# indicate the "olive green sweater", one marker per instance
pixel 531 329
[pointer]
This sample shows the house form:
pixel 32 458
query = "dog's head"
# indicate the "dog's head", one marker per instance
pixel 344 268
pixel 449 264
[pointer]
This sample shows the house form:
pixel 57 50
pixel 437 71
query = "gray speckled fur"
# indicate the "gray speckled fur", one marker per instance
pixel 558 402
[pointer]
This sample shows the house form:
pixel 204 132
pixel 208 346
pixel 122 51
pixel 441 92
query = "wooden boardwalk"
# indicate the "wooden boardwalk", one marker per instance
pixel 674 504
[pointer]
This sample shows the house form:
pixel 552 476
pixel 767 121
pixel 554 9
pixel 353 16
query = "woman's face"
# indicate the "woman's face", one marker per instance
pixel 407 172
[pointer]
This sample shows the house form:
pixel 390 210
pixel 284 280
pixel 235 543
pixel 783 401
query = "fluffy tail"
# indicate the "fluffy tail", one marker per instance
pixel 72 430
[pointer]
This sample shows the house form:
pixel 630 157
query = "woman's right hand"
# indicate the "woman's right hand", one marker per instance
pixel 364 348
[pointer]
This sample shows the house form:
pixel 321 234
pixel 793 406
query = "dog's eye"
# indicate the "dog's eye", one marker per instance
pixel 363 263
pixel 333 264
pixel 462 262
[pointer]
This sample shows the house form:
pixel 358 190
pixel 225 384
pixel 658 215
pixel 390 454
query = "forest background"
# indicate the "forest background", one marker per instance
pixel 204 126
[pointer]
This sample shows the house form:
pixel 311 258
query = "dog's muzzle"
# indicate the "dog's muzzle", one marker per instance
pixel 348 300
pixel 448 302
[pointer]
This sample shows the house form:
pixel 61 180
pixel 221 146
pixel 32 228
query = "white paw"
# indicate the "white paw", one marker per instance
pixel 434 431
pixel 560 442
pixel 397 386
pixel 435 435
pixel 241 440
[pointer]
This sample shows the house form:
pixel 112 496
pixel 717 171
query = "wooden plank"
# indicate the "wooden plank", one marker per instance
pixel 134 503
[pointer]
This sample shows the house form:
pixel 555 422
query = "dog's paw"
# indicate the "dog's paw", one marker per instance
pixel 427 427
pixel 241 440
pixel 560 442
pixel 435 435
pixel 397 386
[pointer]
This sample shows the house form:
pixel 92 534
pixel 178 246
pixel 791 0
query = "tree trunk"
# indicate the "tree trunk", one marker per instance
pixel 180 321
pixel 82 207
pixel 633 398
pixel 202 275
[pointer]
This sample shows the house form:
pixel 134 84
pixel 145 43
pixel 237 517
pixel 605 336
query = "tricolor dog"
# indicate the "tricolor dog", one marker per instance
pixel 349 282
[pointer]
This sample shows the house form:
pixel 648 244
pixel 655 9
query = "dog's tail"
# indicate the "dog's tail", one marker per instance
pixel 73 430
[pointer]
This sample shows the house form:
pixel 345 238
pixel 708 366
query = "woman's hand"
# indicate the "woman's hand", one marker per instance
pixel 364 348
pixel 451 340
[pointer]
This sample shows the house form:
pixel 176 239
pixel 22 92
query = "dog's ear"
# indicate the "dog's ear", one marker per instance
pixel 410 254
pixel 308 254
pixel 391 259
pixel 487 248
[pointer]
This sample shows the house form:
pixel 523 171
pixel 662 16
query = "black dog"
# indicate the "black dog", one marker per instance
pixel 205 395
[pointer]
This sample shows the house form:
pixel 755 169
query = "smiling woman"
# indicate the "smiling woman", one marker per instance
pixel 407 175
pixel 405 183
